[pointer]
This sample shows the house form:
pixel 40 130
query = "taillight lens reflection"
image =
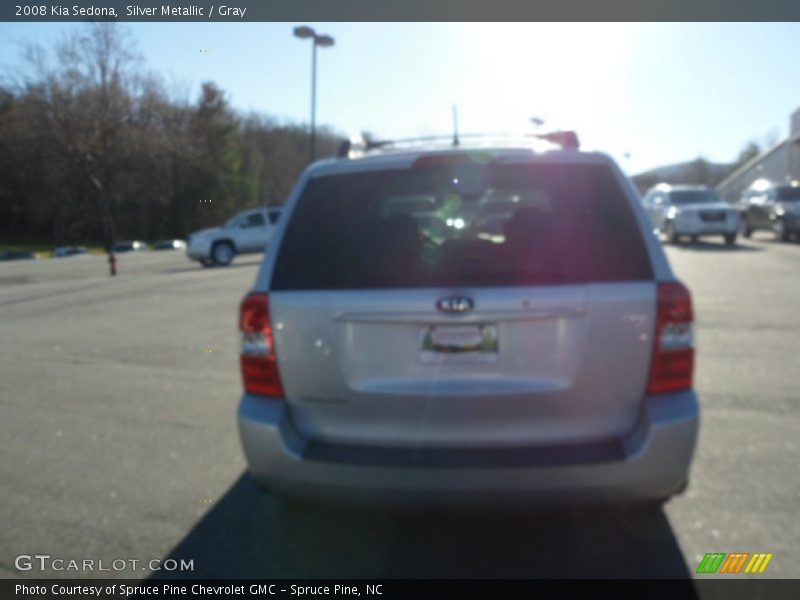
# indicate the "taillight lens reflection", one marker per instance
pixel 258 360
pixel 672 367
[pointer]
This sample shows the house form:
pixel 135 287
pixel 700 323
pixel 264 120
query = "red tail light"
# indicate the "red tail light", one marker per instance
pixel 258 360
pixel 673 354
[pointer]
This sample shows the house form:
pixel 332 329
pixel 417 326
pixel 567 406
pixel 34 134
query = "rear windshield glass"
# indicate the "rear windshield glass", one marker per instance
pixel 468 224
pixel 693 197
pixel 788 193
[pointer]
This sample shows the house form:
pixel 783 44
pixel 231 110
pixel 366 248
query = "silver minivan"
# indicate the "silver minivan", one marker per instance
pixel 467 326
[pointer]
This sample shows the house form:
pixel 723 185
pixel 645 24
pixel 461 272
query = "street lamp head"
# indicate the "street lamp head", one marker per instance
pixel 323 40
pixel 304 32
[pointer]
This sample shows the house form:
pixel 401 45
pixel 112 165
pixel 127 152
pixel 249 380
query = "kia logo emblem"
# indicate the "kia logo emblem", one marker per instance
pixel 455 304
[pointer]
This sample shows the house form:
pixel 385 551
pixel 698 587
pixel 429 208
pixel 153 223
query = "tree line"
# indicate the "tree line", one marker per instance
pixel 698 171
pixel 94 148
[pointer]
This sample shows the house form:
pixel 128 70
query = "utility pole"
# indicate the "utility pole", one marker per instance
pixel 304 32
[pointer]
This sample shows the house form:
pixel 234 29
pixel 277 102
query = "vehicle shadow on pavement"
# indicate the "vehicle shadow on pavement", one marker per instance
pixel 248 534
pixel 200 269
pixel 715 247
pixel 770 241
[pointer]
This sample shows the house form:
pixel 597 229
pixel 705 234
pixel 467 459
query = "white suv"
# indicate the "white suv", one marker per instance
pixel 248 231
pixel 679 211
pixel 467 325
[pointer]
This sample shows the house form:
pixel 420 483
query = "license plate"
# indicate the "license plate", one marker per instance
pixel 459 343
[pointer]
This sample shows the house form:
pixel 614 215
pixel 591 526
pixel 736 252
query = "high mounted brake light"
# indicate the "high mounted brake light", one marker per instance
pixel 451 160
pixel 258 360
pixel 672 366
pixel 566 139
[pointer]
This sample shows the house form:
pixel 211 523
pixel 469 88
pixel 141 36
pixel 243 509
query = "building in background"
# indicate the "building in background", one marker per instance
pixel 779 164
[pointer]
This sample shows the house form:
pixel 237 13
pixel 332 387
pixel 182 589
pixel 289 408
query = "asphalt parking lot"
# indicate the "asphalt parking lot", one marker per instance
pixel 119 441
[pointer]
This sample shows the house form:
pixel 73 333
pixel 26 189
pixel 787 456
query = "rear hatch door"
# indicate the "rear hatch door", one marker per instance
pixel 464 304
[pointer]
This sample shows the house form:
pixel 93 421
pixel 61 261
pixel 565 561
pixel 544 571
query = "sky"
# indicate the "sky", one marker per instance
pixel 649 94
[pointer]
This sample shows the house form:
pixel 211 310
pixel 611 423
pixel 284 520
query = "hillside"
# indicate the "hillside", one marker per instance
pixel 698 172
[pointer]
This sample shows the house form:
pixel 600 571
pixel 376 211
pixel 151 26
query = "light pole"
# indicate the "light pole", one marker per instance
pixel 304 32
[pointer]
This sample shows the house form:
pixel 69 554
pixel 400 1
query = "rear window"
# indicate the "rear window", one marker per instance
pixel 466 224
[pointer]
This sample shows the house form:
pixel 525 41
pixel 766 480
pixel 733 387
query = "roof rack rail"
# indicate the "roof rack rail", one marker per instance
pixel 357 146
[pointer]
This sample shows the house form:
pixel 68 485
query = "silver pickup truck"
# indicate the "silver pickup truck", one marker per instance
pixel 248 231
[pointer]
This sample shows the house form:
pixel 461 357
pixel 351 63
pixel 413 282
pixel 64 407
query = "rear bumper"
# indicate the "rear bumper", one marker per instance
pixel 651 463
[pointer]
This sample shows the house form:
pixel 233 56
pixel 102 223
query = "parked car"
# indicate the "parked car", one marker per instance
pixel 547 357
pixel 772 207
pixel 130 246
pixel 170 245
pixel 248 231
pixel 65 251
pixel 692 211
pixel 16 255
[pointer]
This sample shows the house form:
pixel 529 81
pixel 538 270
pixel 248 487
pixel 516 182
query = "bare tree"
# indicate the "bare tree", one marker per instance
pixel 93 147
pixel 79 100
